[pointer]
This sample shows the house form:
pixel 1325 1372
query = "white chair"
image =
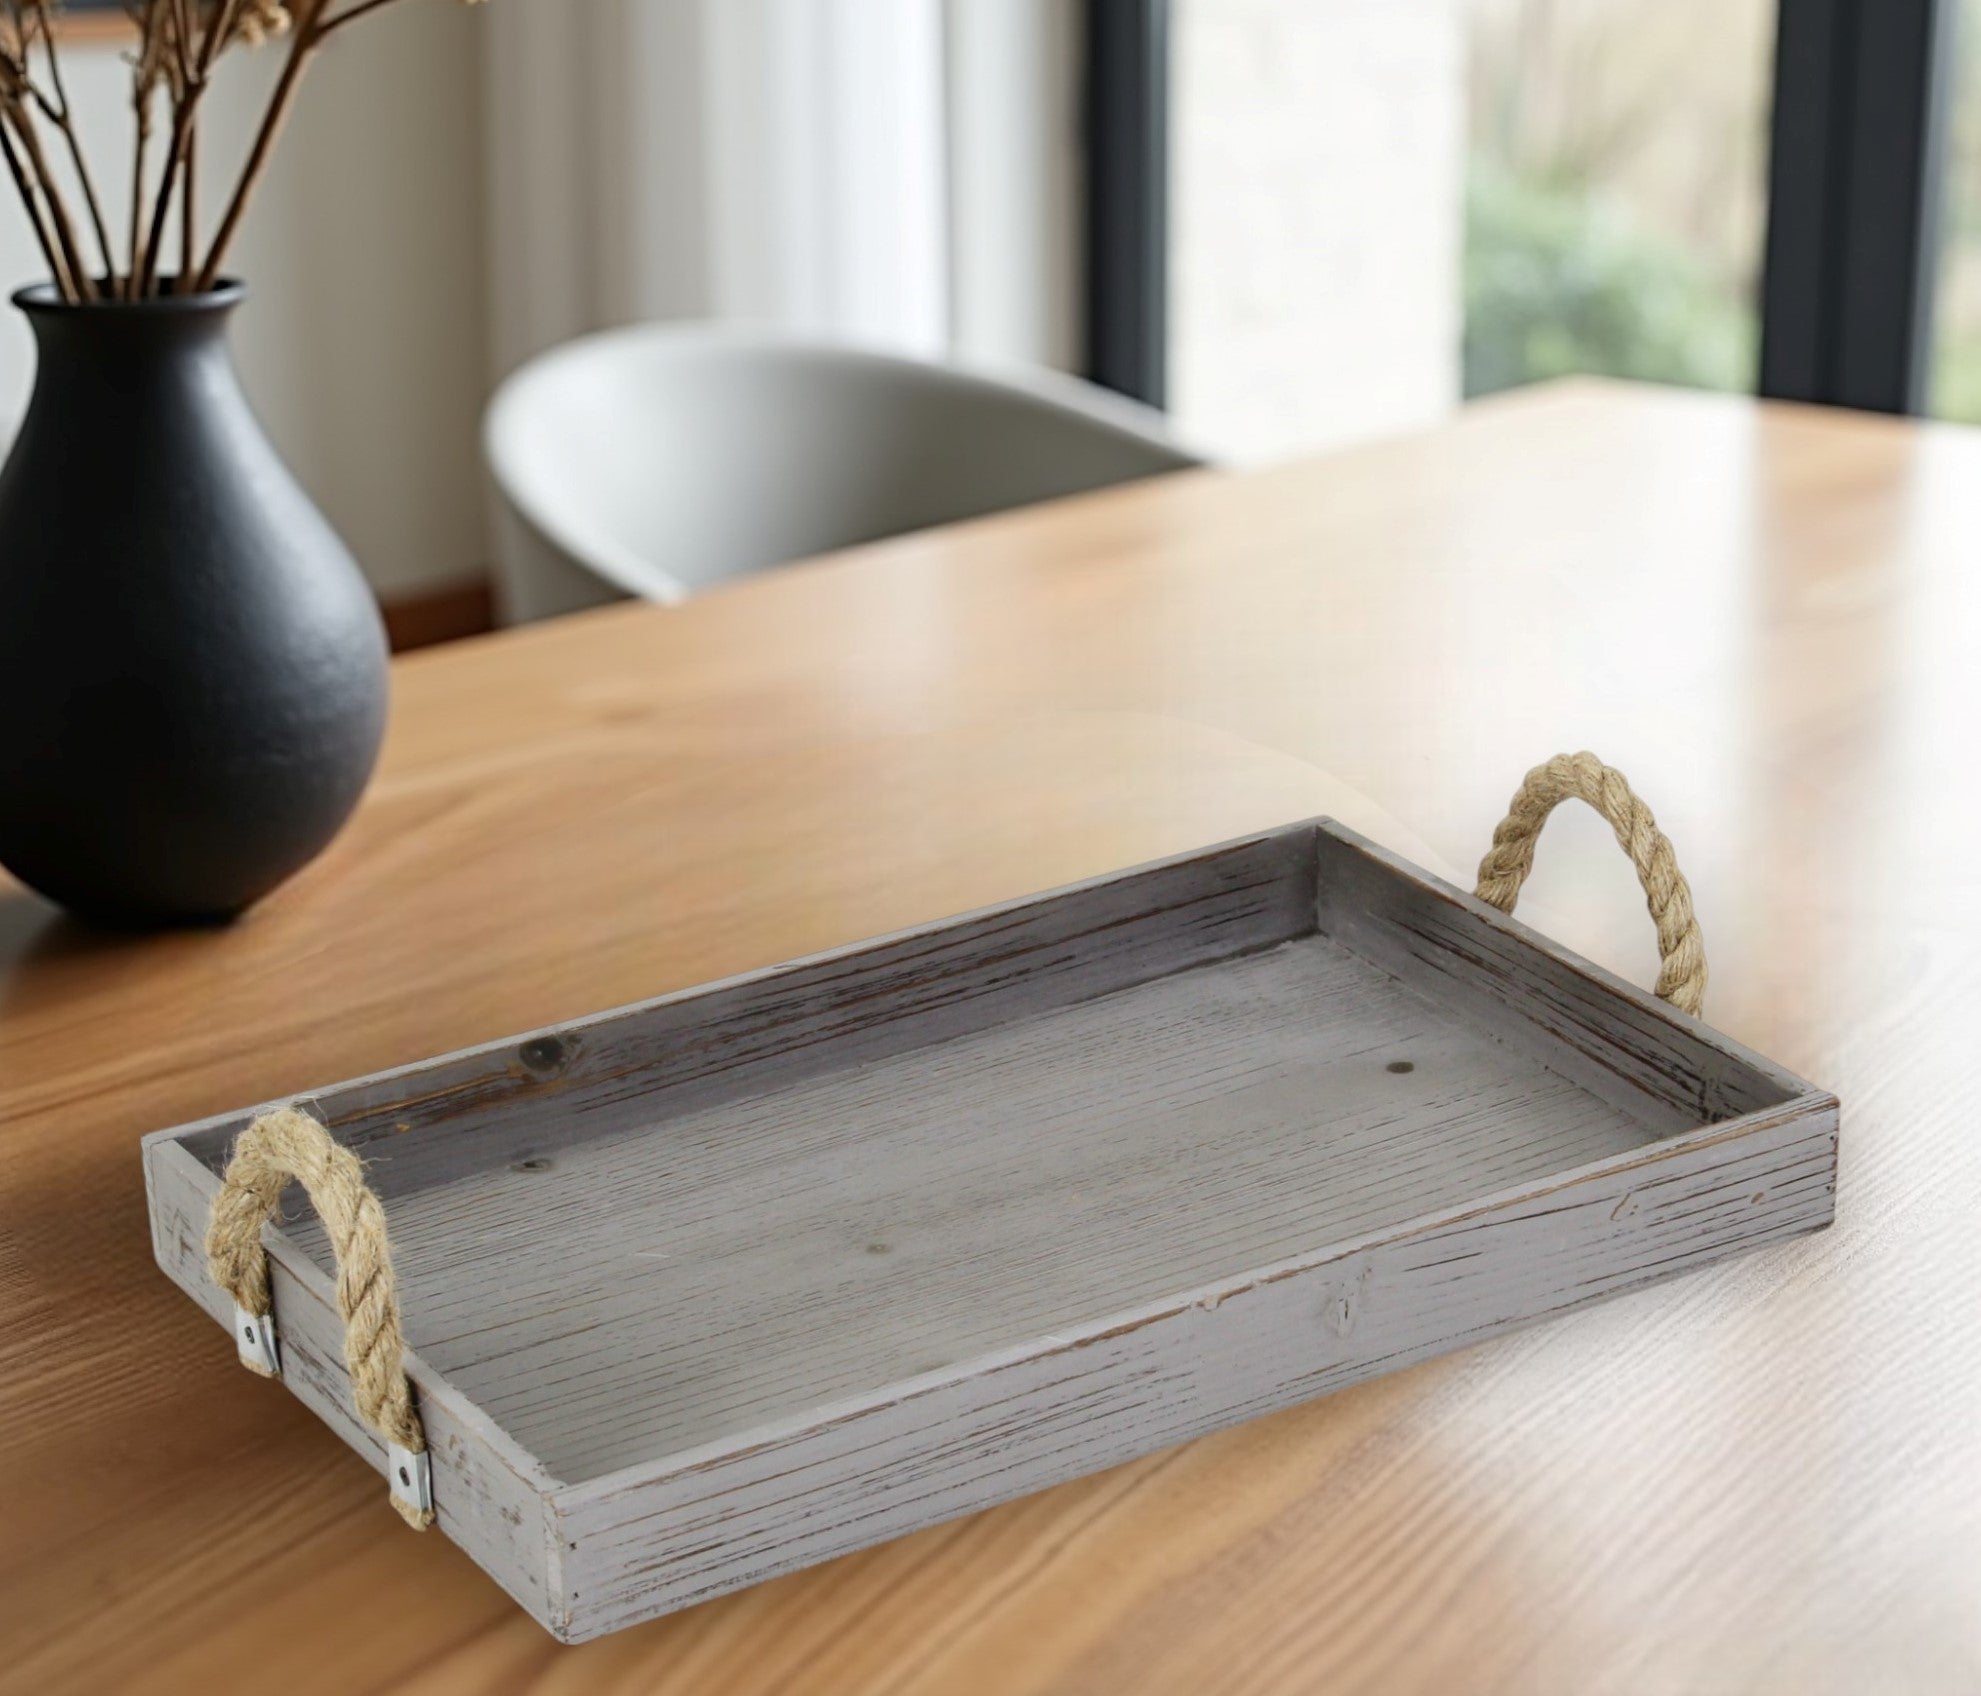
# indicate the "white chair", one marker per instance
pixel 659 460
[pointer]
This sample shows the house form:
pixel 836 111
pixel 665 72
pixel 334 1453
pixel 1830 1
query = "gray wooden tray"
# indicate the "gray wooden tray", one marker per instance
pixel 717 1286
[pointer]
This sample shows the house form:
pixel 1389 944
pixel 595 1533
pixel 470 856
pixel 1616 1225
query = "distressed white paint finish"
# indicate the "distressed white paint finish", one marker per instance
pixel 790 1022
pixel 857 1229
pixel 664 1536
pixel 491 1497
pixel 710 1288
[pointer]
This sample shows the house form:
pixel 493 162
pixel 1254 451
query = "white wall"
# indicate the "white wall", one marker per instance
pixel 364 342
pixel 1317 220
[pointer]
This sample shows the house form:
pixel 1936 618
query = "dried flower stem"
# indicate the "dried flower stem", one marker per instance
pixel 17 113
pixel 144 82
pixel 140 148
pixel 60 114
pixel 305 18
pixel 37 217
pixel 178 42
pixel 222 21
pixel 189 210
pixel 175 70
pixel 17 97
pixel 191 65
pixel 175 158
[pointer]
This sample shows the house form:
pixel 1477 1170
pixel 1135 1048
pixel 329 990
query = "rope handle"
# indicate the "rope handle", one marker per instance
pixel 287 1143
pixel 1583 777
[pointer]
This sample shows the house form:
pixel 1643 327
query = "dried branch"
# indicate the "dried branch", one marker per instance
pixel 223 22
pixel 305 16
pixel 182 40
pixel 161 205
pixel 189 211
pixel 15 111
pixel 42 233
pixel 128 289
pixel 226 24
pixel 61 116
pixel 144 85
pixel 188 69
pixel 47 210
pixel 171 68
pixel 178 43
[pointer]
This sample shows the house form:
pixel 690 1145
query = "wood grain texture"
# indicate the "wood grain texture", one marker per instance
pixel 848 1006
pixel 1620 1043
pixel 786 1267
pixel 1762 1478
pixel 670 1535
pixel 497 1504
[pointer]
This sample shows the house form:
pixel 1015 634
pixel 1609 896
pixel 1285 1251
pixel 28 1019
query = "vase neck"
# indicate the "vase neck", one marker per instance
pixel 113 357
pixel 168 328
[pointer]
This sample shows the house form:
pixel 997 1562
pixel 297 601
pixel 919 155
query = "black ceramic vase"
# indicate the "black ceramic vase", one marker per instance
pixel 192 669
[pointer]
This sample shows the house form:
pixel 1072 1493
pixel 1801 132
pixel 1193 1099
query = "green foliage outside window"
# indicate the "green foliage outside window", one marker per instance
pixel 1560 281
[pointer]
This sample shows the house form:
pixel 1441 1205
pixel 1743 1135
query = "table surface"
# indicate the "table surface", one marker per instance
pixel 1766 1477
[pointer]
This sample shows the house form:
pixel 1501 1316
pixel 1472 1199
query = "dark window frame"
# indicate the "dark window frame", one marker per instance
pixel 1856 150
pixel 1127 200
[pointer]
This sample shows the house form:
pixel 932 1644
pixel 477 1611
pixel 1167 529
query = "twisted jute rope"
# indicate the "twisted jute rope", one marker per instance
pixel 1583 777
pixel 287 1143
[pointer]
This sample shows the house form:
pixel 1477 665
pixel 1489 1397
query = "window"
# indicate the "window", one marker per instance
pixel 1345 214
pixel 1614 192
pixel 1956 372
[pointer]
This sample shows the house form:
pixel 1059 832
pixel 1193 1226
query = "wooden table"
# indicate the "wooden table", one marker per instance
pixel 1763 1478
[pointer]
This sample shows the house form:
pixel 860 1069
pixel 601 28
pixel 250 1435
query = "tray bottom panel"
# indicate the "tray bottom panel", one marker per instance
pixel 659 1288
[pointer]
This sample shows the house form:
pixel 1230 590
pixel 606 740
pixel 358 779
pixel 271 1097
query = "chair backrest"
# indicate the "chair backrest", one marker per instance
pixel 662 459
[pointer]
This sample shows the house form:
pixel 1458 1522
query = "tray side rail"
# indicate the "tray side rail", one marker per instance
pixel 656 1538
pixel 490 1496
pixel 1626 1047
pixel 771 1028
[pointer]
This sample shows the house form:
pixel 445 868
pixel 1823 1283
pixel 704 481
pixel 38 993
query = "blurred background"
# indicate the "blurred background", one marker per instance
pixel 1292 223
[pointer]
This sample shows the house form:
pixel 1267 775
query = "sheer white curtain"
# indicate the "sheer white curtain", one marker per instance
pixel 899 172
pixel 775 160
